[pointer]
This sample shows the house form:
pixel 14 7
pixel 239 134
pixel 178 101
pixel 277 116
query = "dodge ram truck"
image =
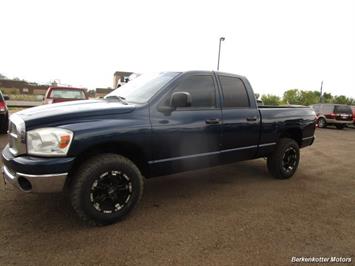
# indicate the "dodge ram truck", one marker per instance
pixel 98 151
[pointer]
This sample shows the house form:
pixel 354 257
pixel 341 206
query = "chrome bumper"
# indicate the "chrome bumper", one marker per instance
pixel 35 183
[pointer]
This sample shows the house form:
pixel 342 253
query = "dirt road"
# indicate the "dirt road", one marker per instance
pixel 235 214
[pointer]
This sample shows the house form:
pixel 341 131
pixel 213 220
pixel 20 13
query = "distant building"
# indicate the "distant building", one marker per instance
pixel 10 86
pixel 120 77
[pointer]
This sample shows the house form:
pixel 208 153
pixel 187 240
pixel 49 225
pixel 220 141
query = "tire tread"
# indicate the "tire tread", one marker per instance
pixel 80 177
pixel 273 161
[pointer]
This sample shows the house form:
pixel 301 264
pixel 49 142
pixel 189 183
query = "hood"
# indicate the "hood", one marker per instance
pixel 75 110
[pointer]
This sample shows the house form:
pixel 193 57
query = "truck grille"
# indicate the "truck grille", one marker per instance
pixel 17 135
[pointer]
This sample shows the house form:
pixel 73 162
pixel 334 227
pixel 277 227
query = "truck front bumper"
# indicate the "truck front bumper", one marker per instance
pixel 35 174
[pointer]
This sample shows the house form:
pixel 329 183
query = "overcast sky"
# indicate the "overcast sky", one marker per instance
pixel 278 45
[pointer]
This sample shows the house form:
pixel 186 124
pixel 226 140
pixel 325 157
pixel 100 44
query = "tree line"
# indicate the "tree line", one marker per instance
pixel 302 97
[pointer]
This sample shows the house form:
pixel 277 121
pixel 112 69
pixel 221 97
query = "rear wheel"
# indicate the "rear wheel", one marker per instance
pixel 106 188
pixel 340 126
pixel 283 162
pixel 322 123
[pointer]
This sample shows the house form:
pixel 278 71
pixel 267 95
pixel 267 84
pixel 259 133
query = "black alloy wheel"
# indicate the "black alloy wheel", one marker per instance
pixel 105 189
pixel 111 191
pixel 289 160
pixel 283 162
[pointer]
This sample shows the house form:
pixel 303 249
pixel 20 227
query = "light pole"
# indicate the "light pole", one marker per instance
pixel 219 50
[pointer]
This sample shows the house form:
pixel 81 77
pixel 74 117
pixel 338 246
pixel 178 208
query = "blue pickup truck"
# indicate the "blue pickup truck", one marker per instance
pixel 98 151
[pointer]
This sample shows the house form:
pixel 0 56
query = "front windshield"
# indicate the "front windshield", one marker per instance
pixel 141 89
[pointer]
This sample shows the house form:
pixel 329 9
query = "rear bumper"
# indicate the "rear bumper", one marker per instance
pixel 35 174
pixel 307 141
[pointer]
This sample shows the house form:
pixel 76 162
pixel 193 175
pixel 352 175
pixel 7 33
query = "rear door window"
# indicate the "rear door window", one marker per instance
pixel 234 92
pixel 328 108
pixel 316 108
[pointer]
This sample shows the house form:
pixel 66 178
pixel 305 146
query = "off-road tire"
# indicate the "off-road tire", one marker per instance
pixel 81 188
pixel 275 160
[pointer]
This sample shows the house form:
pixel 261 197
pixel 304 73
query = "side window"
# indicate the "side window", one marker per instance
pixel 328 109
pixel 332 109
pixel 201 89
pixel 234 92
pixel 316 108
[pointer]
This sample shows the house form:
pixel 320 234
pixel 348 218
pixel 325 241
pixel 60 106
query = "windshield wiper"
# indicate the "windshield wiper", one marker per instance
pixel 119 98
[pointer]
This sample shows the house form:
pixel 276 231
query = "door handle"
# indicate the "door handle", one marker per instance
pixel 214 121
pixel 254 118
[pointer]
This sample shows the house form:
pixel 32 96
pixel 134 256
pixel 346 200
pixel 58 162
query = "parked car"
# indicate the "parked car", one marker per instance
pixel 353 109
pixel 64 94
pixel 4 114
pixel 157 124
pixel 338 115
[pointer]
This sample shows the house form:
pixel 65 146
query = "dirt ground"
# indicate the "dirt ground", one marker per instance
pixel 228 215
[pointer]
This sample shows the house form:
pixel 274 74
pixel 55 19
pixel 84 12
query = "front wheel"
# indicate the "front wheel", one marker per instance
pixel 283 162
pixel 105 189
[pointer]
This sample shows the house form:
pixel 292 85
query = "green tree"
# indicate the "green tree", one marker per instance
pixel 341 99
pixel 351 101
pixel 271 99
pixel 303 97
pixel 327 98
pixel 309 97
pixel 292 97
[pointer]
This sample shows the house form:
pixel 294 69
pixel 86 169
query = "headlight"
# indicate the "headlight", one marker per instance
pixel 49 141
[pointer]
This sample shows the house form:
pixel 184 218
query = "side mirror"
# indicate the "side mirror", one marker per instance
pixel 177 99
pixel 180 99
pixel 6 98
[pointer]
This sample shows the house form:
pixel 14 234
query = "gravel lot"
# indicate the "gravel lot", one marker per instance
pixel 235 214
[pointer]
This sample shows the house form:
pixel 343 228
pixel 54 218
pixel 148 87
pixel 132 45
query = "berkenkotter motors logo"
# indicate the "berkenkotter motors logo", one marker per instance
pixel 321 259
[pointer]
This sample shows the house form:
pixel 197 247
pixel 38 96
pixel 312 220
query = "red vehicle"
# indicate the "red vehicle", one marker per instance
pixel 353 109
pixel 64 94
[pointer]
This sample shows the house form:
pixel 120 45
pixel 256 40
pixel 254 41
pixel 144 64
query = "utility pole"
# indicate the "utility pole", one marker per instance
pixel 321 92
pixel 219 51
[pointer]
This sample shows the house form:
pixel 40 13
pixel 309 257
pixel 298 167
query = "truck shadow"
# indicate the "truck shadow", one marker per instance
pixel 195 185
pixel 50 211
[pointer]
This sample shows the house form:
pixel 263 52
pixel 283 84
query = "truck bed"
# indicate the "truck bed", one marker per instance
pixel 276 119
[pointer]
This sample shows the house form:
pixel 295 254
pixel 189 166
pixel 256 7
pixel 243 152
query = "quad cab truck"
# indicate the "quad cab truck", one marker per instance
pixel 98 151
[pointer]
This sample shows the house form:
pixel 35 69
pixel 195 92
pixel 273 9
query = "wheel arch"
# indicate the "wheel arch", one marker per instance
pixel 292 133
pixel 129 150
